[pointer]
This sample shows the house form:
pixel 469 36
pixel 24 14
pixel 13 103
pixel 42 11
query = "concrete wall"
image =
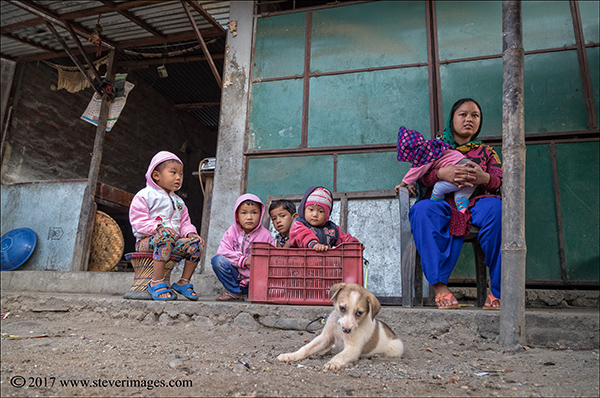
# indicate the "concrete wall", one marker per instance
pixel 47 209
pixel 47 140
pixel 229 172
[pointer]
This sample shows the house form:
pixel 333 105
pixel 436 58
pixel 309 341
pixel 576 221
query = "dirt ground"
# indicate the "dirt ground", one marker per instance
pixel 212 356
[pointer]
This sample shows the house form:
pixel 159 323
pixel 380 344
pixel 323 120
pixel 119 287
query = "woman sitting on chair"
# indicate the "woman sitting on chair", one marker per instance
pixel 439 228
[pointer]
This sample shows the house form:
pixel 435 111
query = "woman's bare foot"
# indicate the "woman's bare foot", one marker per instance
pixel 444 299
pixel 491 302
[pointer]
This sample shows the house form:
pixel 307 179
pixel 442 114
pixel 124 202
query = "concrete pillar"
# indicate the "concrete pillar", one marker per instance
pixel 229 170
pixel 514 248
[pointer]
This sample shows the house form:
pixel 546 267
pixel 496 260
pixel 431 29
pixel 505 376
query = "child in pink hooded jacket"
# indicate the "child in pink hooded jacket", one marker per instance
pixel 161 224
pixel 232 262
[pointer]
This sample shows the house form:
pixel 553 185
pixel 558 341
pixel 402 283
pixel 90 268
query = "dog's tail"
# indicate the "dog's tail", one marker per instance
pixel 395 349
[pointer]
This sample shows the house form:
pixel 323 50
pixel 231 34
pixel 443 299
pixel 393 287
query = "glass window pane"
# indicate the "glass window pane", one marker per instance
pixel 369 171
pixel 593 56
pixel 368 107
pixel 368 35
pixel 578 176
pixel 547 24
pixel 480 80
pixel 589 11
pixel 469 28
pixel 288 175
pixel 541 232
pixel 553 93
pixel 279 48
pixel 276 115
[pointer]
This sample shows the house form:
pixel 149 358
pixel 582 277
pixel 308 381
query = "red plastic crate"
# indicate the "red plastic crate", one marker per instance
pixel 301 276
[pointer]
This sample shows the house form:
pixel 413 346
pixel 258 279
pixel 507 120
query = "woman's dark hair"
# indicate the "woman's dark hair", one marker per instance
pixel 286 204
pixel 456 105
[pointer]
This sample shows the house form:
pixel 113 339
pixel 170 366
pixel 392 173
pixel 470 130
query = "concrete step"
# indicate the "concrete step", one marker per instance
pixel 551 328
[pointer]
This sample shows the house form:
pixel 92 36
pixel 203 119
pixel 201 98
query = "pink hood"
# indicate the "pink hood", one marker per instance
pixel 243 198
pixel 153 206
pixel 237 245
pixel 156 160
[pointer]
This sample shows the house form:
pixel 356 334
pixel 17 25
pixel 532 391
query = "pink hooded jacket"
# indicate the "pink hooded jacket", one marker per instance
pixel 153 206
pixel 236 245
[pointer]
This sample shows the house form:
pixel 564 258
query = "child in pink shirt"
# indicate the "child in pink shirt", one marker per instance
pixel 234 256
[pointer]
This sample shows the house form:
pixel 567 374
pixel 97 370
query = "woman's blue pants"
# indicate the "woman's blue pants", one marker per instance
pixel 439 251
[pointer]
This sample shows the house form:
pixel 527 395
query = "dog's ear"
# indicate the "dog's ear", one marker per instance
pixel 374 305
pixel 335 289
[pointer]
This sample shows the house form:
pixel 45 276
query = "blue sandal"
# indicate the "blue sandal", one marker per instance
pixel 159 289
pixel 185 290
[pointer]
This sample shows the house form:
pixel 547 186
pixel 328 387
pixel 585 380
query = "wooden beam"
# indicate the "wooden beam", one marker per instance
pixel 200 10
pixel 123 45
pixel 132 65
pixel 4 56
pixel 85 229
pixel 134 19
pixel 50 16
pixel 208 33
pixel 196 105
pixel 213 68
pixel 83 54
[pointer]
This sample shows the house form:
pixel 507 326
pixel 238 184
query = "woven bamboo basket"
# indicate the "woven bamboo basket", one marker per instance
pixel 107 244
pixel 143 266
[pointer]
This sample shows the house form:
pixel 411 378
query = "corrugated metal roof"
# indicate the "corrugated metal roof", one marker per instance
pixel 137 29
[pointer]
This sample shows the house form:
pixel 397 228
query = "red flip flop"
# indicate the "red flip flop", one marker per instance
pixel 440 296
pixel 492 299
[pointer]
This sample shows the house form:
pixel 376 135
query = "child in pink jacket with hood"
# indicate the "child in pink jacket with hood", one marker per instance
pixel 161 224
pixel 232 262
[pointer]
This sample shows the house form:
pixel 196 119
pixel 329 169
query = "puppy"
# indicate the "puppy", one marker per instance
pixel 353 329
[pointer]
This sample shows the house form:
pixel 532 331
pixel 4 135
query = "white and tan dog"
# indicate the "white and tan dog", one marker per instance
pixel 353 329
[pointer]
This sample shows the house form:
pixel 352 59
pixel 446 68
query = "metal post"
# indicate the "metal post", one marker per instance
pixel 514 249
pixel 88 207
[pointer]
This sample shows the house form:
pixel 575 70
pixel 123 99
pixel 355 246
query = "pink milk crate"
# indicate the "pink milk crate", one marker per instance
pixel 301 276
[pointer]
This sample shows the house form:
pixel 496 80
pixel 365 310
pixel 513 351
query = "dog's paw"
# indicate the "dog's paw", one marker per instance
pixel 332 365
pixel 287 357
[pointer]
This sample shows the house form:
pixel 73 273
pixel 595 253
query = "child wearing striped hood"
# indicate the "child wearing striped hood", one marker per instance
pixel 312 228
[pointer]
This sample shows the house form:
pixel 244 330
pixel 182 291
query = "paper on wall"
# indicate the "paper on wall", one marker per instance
pixel 92 112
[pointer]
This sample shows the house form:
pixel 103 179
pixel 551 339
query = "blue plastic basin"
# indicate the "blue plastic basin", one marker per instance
pixel 17 246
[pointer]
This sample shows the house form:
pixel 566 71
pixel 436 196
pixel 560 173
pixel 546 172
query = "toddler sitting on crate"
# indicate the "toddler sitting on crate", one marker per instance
pixel 161 224
pixel 283 213
pixel 232 262
pixel 312 228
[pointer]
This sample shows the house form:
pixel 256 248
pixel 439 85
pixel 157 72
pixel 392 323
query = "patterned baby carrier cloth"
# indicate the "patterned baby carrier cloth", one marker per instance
pixel 412 147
